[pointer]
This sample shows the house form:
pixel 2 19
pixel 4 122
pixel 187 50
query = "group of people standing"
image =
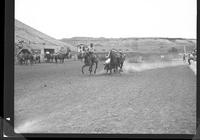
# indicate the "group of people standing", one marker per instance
pixel 28 58
pixel 190 56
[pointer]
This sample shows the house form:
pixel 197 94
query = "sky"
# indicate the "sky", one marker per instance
pixel 110 18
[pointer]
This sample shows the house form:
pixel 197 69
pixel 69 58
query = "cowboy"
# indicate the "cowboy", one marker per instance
pixel 89 51
pixel 107 59
pixel 91 48
pixel 108 56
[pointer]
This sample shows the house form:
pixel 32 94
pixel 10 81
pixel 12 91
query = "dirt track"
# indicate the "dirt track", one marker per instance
pixel 58 98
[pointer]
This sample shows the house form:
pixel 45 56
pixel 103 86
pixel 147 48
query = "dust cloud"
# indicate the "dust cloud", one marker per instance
pixel 138 67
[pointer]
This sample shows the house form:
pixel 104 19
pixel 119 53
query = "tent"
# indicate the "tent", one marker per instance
pixel 24 50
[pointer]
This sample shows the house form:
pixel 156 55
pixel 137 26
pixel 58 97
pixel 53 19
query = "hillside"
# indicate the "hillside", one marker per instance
pixel 155 45
pixel 36 38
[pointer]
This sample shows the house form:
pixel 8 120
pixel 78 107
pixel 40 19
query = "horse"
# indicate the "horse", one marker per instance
pixel 108 67
pixel 21 58
pixel 81 56
pixel 36 58
pixel 116 60
pixel 31 58
pixel 55 57
pixel 121 61
pixel 28 57
pixel 48 56
pixel 191 57
pixel 61 56
pixel 90 60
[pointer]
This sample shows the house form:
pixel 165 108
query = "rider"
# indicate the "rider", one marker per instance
pixel 107 60
pixel 194 53
pixel 91 49
pixel 108 57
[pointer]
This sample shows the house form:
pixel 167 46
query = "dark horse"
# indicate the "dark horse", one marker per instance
pixel 116 60
pixel 121 60
pixel 21 58
pixel 36 58
pixel 61 56
pixel 28 57
pixel 89 60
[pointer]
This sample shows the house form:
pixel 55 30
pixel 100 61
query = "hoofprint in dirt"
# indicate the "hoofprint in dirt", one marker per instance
pixel 57 98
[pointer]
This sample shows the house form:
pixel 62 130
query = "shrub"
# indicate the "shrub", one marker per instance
pixel 173 50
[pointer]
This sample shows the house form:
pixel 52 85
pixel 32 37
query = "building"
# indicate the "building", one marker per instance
pixel 43 49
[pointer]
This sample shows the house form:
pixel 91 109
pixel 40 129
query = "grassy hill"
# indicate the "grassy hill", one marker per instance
pixel 145 45
pixel 36 38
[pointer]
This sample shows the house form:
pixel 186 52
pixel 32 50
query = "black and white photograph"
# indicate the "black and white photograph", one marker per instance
pixel 105 66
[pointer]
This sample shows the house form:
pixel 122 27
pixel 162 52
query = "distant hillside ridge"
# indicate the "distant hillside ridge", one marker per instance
pixel 148 44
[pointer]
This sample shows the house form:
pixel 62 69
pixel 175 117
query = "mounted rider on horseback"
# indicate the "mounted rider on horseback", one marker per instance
pixel 90 58
pixel 89 53
pixel 114 59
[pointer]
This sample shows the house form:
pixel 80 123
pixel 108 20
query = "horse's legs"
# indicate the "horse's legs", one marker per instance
pixel 96 67
pixel 90 69
pixel 115 68
pixel 31 61
pixel 110 70
pixel 189 61
pixel 107 68
pixel 83 68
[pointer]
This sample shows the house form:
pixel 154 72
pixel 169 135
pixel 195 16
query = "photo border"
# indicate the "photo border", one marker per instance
pixel 9 90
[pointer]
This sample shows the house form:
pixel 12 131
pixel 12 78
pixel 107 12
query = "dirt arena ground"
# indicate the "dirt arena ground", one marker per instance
pixel 144 99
